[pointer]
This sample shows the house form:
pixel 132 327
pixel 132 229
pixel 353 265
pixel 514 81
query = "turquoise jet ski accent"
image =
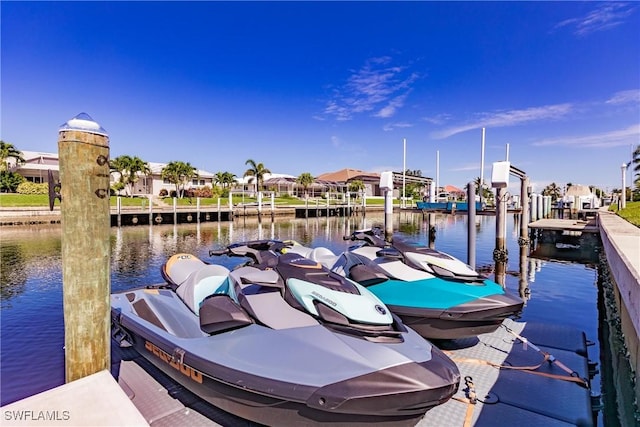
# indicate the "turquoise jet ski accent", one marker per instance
pixel 433 293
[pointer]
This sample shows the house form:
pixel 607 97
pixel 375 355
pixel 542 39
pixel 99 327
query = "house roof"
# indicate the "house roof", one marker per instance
pixel 452 189
pixel 578 190
pixel 347 174
pixel 265 178
pixel 156 169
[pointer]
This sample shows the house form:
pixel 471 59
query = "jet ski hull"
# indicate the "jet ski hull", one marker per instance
pixel 218 367
pixel 452 324
pixel 437 318
pixel 435 307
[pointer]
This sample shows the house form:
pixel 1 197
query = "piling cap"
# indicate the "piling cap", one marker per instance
pixel 84 123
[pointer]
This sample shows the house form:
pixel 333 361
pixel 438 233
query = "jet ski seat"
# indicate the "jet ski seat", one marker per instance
pixel 259 294
pixel 324 256
pixel 178 268
pixel 206 281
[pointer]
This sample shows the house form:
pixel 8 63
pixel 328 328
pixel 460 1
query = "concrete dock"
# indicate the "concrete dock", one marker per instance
pixel 571 225
pixel 621 242
pixel 93 401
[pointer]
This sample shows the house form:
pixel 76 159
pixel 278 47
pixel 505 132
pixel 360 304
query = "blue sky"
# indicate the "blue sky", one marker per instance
pixel 320 86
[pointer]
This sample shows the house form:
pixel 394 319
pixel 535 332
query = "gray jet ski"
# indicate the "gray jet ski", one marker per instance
pixel 285 342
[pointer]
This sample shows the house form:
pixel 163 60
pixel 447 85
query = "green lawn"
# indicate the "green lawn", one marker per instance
pixel 24 200
pixel 631 212
pixel 42 200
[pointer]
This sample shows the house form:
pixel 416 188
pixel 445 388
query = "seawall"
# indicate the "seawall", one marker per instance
pixel 621 242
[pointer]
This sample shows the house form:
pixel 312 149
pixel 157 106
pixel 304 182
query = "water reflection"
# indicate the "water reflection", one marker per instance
pixel 30 275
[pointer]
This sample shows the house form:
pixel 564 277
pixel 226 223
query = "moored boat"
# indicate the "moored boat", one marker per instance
pixel 283 342
pixel 434 293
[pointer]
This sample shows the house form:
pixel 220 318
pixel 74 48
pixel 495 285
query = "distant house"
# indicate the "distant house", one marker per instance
pixel 580 197
pixel 344 177
pixel 154 183
pixel 455 193
pixel 37 164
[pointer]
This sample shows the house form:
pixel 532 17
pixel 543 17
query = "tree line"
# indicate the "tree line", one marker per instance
pixel 130 169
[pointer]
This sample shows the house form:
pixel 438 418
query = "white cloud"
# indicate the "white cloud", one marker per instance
pixel 615 138
pixel 625 97
pixel 467 167
pixel 392 106
pixel 508 118
pixel 605 16
pixel 392 126
pixel 376 86
pixel 438 119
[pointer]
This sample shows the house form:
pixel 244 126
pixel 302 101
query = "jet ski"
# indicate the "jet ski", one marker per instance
pixel 434 293
pixel 281 340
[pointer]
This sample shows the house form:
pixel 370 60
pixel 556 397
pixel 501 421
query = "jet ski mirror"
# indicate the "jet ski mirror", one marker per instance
pixel 218 252
pixel 389 253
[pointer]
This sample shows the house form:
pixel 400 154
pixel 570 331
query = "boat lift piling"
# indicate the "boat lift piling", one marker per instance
pixel 500 181
pixel 83 147
pixel 471 225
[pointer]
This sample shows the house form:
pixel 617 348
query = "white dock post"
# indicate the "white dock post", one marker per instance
pixel 119 210
pixel 471 224
pixel 622 204
pixel 175 210
pixel 150 209
pixel 386 184
pixel 540 206
pixel 273 204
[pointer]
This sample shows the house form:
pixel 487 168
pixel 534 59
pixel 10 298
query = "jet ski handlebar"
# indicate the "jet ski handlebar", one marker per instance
pixel 253 249
pixel 372 236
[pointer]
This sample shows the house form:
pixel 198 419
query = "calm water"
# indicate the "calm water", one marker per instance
pixel 32 329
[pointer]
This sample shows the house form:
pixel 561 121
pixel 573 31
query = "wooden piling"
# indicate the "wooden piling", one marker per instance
pixel 85 218
pixel 500 252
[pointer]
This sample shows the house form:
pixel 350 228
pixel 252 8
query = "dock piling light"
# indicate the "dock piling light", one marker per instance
pixel 623 197
pixel 83 148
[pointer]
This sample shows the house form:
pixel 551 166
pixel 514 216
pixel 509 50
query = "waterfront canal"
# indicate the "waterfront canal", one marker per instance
pixel 32 329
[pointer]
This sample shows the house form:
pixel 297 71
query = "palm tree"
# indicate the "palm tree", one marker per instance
pixel 179 173
pixel 228 178
pixel 256 171
pixel 136 167
pixel 552 190
pixel 120 165
pixel 218 178
pixel 305 179
pixel 356 186
pixel 225 179
pixel 487 194
pixel 8 151
pixel 129 170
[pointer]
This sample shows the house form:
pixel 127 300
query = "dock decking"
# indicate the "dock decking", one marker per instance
pixel 575 225
pixel 504 396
